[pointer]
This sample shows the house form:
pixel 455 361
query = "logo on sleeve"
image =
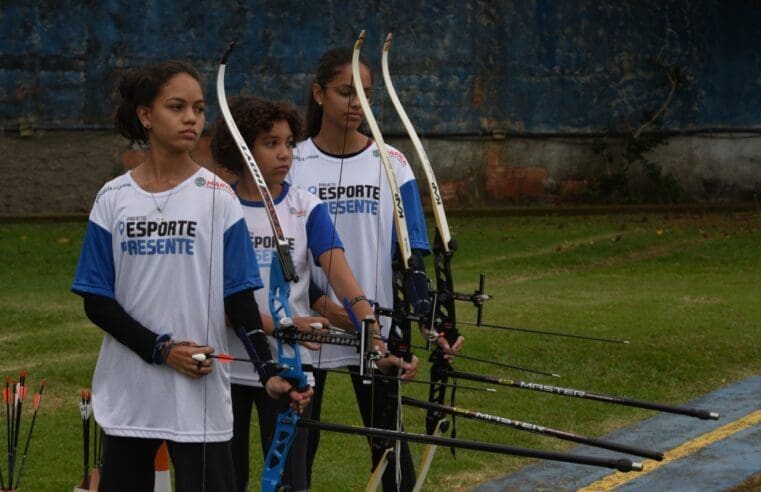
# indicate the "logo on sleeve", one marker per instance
pixel 298 212
pixel 392 153
pixel 398 155
pixel 305 157
pixel 109 189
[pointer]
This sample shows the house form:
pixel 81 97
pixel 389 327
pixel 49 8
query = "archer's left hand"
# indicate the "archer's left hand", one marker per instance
pixel 409 369
pixel 387 364
pixel 278 387
pixel 300 399
pixel 450 351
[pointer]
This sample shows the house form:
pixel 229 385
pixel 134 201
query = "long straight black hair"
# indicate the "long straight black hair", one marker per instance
pixel 328 67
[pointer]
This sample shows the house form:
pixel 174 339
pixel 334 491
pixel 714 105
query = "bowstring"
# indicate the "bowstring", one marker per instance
pixel 328 288
pixel 377 249
pixel 397 444
pixel 208 320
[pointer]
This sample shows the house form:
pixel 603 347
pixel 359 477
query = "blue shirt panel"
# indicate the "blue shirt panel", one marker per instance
pixel 95 271
pixel 241 271
pixel 322 235
pixel 416 227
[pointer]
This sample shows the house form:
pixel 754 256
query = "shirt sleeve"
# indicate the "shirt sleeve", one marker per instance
pixel 322 235
pixel 95 272
pixel 241 271
pixel 416 227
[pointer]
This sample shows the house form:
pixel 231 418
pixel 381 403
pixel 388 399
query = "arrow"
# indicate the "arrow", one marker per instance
pixel 623 465
pixel 558 390
pixel 537 429
pixel 227 358
pixel 37 400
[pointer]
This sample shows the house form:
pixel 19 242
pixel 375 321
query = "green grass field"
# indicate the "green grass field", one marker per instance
pixel 684 289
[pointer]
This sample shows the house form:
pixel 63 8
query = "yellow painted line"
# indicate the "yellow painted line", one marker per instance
pixel 619 478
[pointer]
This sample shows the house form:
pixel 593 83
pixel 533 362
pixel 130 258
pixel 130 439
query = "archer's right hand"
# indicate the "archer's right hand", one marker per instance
pixel 180 358
pixel 307 324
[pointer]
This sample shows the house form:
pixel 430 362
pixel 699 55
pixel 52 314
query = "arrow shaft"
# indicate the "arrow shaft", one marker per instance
pixel 623 465
pixel 543 332
pixel 393 378
pixel 576 393
pixel 26 450
pixel 438 354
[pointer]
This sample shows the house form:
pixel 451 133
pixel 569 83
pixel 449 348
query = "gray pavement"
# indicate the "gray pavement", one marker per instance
pixel 717 464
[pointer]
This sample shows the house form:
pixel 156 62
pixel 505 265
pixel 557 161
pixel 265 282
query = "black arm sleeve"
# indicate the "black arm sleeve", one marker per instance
pixel 314 293
pixel 110 316
pixel 419 255
pixel 418 287
pixel 243 312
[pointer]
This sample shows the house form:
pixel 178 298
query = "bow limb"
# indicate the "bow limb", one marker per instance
pixel 289 271
pixel 400 220
pixel 433 187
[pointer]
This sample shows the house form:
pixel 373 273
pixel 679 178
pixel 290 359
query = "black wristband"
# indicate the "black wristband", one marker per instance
pixel 159 355
pixel 314 293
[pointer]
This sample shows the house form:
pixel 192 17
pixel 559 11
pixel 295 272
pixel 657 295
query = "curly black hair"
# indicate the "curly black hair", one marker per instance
pixel 252 115
pixel 140 87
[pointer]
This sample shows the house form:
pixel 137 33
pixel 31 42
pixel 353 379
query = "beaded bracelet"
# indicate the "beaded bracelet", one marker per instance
pixel 356 300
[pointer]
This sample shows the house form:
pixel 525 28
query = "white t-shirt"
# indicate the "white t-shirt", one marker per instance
pixel 159 268
pixel 310 232
pixel 358 197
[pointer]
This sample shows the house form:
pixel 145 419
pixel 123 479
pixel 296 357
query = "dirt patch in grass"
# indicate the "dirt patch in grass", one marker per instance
pixel 701 300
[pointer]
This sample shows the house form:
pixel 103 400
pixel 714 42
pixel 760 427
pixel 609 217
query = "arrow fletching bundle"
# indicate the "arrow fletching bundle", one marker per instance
pixel 14 396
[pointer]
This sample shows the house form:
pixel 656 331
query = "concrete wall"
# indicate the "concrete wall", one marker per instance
pixel 558 170
pixel 549 75
pixel 60 172
pixel 57 172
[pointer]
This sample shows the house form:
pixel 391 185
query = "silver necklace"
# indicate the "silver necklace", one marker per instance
pixel 161 209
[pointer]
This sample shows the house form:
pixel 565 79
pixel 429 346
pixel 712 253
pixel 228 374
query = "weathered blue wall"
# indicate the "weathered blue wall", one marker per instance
pixel 532 66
